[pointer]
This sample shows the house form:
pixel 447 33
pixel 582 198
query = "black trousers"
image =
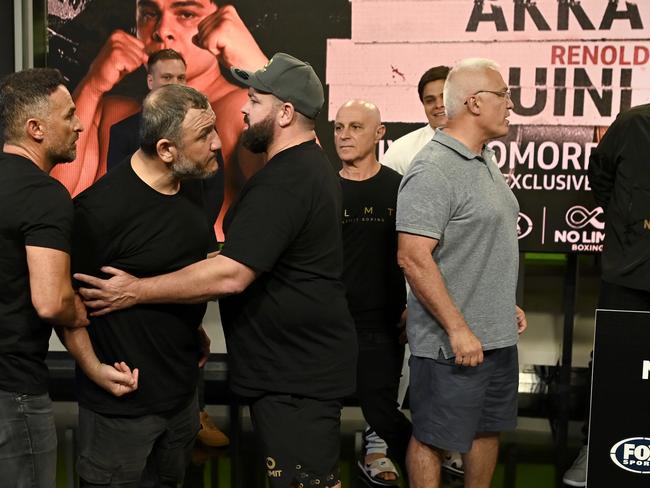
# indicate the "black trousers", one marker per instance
pixel 378 373
pixel 615 297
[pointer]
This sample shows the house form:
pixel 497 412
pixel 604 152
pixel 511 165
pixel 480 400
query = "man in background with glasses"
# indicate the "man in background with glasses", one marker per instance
pixel 457 245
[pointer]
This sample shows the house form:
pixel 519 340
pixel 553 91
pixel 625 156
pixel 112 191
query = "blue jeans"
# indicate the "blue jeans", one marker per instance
pixel 27 440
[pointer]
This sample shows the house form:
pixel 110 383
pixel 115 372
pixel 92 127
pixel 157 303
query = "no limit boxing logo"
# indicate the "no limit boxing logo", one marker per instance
pixel 632 454
pixel 578 217
pixel 586 231
pixel 524 225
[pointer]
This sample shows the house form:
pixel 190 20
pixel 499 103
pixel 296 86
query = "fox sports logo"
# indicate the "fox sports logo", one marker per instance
pixel 632 454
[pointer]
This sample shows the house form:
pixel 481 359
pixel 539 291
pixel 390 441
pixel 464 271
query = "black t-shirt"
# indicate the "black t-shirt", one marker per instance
pixel 124 140
pixel 375 285
pixel 35 210
pixel 290 331
pixel 120 221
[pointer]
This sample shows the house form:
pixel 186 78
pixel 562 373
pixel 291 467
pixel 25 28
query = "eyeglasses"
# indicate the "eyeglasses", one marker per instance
pixel 501 94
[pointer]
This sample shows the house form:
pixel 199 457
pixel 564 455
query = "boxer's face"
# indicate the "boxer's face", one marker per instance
pixel 163 24
pixel 197 150
pixel 259 118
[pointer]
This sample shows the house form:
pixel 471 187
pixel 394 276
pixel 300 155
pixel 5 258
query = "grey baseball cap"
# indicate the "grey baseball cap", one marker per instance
pixel 290 80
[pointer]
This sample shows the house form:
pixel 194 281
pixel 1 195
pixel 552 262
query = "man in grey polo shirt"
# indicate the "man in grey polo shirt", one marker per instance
pixel 456 219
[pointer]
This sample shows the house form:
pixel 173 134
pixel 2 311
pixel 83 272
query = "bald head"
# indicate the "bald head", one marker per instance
pixel 368 109
pixel 357 130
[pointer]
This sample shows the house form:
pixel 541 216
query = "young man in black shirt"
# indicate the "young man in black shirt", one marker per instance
pixel 40 129
pixel 289 333
pixel 375 285
pixel 144 217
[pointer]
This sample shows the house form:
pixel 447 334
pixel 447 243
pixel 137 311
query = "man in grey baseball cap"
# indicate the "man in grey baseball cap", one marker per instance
pixel 290 337
pixel 290 80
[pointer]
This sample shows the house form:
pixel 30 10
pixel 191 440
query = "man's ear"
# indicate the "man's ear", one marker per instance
pixel 35 129
pixel 166 150
pixel 149 81
pixel 286 114
pixel 380 132
pixel 473 105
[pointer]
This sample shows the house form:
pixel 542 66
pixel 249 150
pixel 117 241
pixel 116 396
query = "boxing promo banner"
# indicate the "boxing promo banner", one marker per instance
pixel 571 65
pixel 619 431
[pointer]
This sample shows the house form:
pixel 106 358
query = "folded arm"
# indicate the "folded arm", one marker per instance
pixel 117 379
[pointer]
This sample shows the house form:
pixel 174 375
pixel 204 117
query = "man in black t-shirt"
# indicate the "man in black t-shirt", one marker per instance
pixel 40 129
pixel 165 67
pixel 145 218
pixel 375 285
pixel 290 336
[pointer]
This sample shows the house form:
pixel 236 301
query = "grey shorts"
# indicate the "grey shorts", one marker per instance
pixel 451 404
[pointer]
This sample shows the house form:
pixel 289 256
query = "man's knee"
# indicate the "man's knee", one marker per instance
pixel 417 447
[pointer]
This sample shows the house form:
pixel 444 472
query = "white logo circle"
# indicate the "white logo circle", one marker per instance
pixel 524 225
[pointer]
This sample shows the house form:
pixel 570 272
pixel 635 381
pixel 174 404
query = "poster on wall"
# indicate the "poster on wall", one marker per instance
pixel 572 66
pixel 101 46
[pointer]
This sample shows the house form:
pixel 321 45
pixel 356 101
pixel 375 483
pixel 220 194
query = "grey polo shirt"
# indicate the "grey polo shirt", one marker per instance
pixel 462 200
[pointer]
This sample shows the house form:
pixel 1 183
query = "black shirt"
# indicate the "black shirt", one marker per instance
pixel 120 221
pixel 619 174
pixel 35 211
pixel 375 284
pixel 290 331
pixel 124 140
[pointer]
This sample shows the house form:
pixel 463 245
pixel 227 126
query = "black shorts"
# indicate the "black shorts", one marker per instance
pixel 299 438
pixel 451 404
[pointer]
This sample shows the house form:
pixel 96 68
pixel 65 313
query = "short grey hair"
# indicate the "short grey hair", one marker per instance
pixel 163 112
pixel 460 83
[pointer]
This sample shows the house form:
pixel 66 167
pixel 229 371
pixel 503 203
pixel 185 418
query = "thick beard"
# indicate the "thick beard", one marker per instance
pixel 258 137
pixel 183 169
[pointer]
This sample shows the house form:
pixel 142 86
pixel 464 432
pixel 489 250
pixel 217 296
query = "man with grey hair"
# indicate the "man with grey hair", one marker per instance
pixel 457 245
pixel 40 130
pixel 290 336
pixel 145 217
